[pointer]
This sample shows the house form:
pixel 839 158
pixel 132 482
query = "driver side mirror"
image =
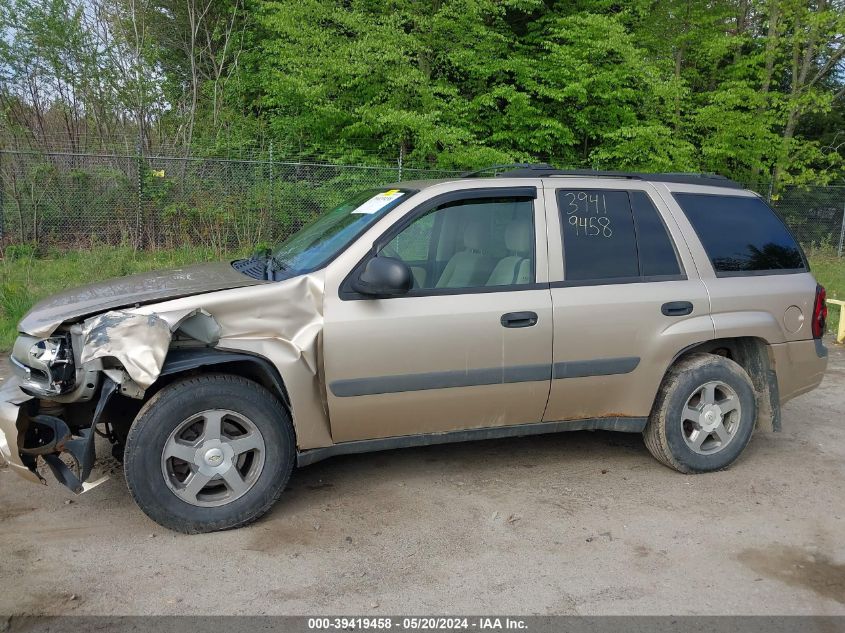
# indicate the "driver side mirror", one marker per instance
pixel 384 277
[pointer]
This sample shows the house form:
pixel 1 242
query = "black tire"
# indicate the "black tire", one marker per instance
pixel 177 402
pixel 664 434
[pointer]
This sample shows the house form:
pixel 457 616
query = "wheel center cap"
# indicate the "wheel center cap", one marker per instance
pixel 711 417
pixel 214 457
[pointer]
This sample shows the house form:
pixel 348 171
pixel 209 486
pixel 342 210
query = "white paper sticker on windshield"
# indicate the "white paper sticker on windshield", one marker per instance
pixel 379 201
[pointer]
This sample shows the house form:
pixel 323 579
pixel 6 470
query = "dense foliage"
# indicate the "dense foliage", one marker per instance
pixel 754 89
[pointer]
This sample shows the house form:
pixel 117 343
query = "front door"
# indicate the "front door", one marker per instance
pixel 469 346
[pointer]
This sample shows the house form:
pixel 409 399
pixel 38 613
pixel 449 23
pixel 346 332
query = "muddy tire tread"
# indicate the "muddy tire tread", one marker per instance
pixel 183 390
pixel 654 435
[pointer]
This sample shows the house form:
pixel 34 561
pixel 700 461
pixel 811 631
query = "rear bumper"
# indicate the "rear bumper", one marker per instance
pixel 800 367
pixel 11 399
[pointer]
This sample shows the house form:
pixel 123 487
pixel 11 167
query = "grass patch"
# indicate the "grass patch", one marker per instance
pixel 26 278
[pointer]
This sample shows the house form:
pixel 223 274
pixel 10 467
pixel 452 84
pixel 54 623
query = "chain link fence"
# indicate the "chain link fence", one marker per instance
pixel 80 200
pixel 816 215
pixel 72 200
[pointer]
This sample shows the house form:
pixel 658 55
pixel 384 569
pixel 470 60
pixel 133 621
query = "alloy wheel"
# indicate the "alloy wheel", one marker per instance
pixel 711 417
pixel 213 457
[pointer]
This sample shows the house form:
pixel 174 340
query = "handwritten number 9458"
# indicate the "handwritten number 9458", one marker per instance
pixel 591 227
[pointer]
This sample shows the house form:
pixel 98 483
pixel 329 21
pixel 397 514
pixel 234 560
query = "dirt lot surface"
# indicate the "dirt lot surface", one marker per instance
pixel 579 523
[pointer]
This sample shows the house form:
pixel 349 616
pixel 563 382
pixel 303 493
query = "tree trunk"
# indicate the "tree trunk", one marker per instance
pixel 741 26
pixel 679 62
pixel 772 41
pixel 801 64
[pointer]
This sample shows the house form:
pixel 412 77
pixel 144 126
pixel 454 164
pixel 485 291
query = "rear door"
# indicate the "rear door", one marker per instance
pixel 470 345
pixel 626 298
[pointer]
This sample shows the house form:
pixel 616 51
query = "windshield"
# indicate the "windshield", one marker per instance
pixel 317 243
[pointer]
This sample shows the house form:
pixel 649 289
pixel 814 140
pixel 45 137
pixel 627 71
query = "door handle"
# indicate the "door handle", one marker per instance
pixel 676 308
pixel 519 319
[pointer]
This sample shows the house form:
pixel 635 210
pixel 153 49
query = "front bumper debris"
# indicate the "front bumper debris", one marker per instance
pixel 11 399
pixel 23 439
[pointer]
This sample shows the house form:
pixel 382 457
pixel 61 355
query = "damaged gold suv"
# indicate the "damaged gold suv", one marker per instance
pixel 537 301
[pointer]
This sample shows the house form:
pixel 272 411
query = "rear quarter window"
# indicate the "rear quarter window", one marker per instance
pixel 742 235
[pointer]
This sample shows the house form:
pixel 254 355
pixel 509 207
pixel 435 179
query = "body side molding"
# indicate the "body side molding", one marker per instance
pixel 477 377
pixel 439 380
pixel 598 367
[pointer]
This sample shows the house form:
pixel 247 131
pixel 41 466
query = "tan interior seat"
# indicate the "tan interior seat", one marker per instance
pixel 516 267
pixel 471 266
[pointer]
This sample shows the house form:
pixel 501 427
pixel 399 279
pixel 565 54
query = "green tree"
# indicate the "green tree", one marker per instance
pixel 753 89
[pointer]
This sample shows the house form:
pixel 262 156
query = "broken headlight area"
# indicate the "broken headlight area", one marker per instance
pixel 45 366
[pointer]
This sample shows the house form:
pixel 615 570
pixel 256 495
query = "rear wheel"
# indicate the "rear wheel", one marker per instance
pixel 703 416
pixel 209 453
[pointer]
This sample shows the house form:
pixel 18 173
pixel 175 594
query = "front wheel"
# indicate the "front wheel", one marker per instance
pixel 703 416
pixel 209 453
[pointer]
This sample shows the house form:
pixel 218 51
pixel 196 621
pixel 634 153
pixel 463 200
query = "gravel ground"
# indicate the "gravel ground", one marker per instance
pixel 578 523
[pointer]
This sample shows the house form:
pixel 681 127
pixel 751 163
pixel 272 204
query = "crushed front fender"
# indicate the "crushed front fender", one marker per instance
pixel 138 341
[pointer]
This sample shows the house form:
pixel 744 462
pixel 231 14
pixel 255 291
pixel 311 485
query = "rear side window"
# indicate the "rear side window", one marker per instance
pixel 657 254
pixel 614 237
pixel 742 235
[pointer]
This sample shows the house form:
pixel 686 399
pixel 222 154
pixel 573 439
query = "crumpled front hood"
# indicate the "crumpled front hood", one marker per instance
pixel 138 289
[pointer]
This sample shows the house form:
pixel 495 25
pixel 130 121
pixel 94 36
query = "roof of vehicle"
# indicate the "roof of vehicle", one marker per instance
pixel 541 170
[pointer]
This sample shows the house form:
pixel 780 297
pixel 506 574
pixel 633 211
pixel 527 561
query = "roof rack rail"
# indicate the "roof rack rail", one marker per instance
pixel 540 170
pixel 509 166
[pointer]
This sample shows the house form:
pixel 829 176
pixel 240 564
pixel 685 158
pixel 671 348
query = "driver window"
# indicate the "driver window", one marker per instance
pixel 469 244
